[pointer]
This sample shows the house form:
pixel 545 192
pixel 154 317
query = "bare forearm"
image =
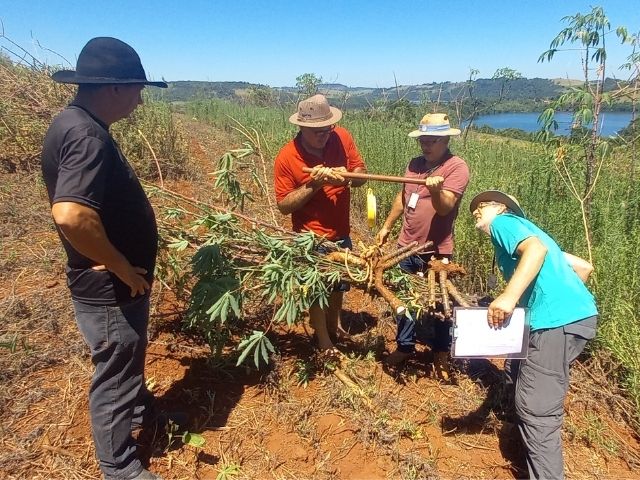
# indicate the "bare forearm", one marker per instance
pixel 298 198
pixel 579 265
pixel 443 201
pixel 396 211
pixel 358 182
pixel 83 228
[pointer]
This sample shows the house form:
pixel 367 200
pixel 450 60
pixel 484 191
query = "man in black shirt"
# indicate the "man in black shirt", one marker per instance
pixel 108 230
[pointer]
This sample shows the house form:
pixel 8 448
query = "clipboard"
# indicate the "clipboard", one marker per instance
pixel 472 337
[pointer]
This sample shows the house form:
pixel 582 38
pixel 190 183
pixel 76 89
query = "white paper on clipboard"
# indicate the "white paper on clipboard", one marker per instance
pixel 472 336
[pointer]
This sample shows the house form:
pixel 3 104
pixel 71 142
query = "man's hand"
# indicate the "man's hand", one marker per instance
pixel 132 276
pixel 500 310
pixel 382 236
pixel 434 184
pixel 321 175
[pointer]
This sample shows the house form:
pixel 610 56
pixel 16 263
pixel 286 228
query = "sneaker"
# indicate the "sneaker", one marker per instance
pixel 160 420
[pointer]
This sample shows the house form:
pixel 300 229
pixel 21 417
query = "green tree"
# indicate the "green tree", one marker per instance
pixel 307 84
pixel 261 95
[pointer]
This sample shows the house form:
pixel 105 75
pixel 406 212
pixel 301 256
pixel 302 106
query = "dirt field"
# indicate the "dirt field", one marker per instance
pixel 268 424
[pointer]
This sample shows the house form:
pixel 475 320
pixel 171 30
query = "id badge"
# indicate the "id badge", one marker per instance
pixel 413 200
pixel 492 281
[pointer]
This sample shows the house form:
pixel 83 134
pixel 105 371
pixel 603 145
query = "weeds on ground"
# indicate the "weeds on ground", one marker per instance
pixel 305 371
pixel 593 431
pixel 228 471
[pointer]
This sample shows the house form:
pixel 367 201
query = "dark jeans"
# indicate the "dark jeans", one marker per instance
pixel 117 337
pixel 410 328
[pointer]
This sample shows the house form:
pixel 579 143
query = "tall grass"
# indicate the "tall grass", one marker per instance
pixel 29 99
pixel 152 131
pixel 520 168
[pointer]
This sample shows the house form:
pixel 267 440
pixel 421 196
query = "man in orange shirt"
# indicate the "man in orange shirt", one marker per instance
pixel 319 201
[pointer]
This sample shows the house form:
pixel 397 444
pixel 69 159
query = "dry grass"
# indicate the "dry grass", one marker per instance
pixel 28 101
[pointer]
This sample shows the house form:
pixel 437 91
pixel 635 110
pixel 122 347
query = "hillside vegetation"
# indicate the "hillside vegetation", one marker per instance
pixel 525 170
pixel 523 94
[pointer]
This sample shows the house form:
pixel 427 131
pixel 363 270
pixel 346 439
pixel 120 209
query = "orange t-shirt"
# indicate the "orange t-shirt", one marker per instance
pixel 327 212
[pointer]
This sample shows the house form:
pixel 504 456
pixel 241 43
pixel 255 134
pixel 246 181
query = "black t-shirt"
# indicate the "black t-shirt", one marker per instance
pixel 81 163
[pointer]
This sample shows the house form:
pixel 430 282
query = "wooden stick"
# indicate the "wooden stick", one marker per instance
pixel 371 176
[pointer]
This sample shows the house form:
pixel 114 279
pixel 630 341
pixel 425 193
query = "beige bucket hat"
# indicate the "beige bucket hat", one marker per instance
pixel 435 124
pixel 497 196
pixel 315 112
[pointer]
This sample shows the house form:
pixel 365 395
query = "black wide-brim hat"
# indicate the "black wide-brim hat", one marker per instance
pixel 106 60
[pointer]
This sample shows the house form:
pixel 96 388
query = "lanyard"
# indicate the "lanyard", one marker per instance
pixel 427 173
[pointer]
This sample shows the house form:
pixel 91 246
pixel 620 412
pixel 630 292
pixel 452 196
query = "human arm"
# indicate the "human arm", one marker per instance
pixel 396 211
pixel 83 228
pixel 531 253
pixel 443 200
pixel 582 268
pixel 358 182
pixel 320 176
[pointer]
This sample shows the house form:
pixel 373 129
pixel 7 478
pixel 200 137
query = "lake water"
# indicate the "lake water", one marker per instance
pixel 610 122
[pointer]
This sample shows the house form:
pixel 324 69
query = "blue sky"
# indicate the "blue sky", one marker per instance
pixel 357 43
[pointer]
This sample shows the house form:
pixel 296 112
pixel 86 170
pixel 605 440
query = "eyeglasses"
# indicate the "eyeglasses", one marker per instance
pixel 487 204
pixel 428 141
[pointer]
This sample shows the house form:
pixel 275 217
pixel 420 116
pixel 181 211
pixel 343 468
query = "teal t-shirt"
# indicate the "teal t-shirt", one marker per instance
pixel 557 295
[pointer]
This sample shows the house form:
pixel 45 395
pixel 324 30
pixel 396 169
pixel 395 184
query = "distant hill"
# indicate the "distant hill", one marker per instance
pixel 527 92
pixel 182 91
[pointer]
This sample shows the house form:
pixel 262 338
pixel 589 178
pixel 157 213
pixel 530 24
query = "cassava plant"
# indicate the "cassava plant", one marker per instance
pixel 241 265
pixel 581 155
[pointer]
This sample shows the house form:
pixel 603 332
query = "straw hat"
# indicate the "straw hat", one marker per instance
pixel 435 124
pixel 496 196
pixel 315 112
pixel 106 61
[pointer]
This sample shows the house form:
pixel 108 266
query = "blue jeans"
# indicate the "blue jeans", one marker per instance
pixel 117 338
pixel 409 328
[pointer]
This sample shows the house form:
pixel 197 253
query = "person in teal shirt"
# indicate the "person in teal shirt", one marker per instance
pixel 562 315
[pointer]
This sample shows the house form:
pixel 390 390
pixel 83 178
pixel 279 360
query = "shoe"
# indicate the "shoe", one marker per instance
pixel 161 420
pixel 441 367
pixel 397 358
pixel 146 475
